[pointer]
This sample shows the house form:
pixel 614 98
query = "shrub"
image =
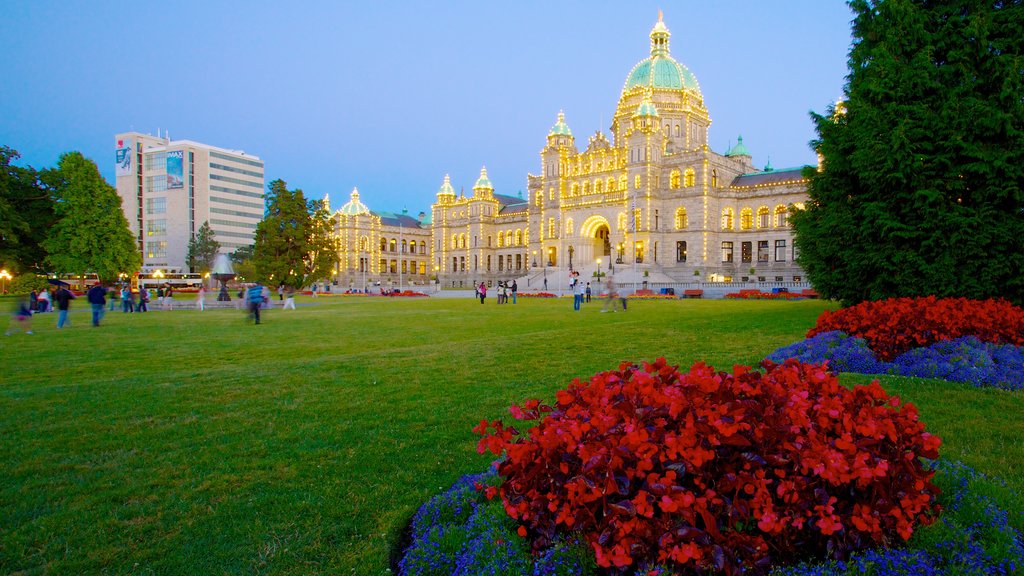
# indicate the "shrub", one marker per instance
pixel 25 283
pixel 706 470
pixel 891 327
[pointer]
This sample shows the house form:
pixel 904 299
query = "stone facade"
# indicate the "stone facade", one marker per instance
pixel 654 202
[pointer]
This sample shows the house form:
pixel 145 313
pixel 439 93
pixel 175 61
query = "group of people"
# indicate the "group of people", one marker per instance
pixel 503 290
pixel 579 290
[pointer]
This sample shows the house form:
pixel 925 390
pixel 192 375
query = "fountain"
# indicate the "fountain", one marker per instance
pixel 222 272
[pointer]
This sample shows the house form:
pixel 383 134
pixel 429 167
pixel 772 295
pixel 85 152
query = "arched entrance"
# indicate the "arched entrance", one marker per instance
pixel 598 231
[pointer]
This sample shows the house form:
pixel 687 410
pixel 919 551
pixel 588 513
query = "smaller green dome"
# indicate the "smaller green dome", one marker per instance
pixel 483 183
pixel 446 188
pixel 646 108
pixel 739 149
pixel 560 128
pixel 354 207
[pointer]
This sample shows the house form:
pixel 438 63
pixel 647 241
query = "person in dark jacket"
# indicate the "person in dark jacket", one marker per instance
pixel 97 297
pixel 63 297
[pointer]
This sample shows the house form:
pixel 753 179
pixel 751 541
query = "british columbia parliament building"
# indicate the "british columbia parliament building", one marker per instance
pixel 653 202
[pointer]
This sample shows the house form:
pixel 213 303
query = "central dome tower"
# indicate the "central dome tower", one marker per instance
pixel 670 86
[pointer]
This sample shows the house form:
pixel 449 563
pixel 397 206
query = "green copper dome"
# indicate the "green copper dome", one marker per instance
pixel 354 207
pixel 661 70
pixel 739 149
pixel 560 128
pixel 483 183
pixel 446 188
pixel 646 108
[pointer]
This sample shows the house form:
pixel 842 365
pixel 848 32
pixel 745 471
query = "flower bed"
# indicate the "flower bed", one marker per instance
pixel 737 471
pixel 758 295
pixel 537 295
pixel 892 327
pixel 652 297
pixel 975 536
pixel 408 294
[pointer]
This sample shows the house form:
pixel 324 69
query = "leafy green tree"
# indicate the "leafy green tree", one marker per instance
pixel 202 249
pixel 922 181
pixel 241 261
pixel 26 215
pixel 293 241
pixel 91 233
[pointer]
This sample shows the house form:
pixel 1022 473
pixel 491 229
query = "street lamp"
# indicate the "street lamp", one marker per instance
pixel 598 270
pixel 6 277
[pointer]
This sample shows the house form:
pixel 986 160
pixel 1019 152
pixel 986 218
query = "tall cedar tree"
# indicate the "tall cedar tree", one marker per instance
pixel 293 241
pixel 922 182
pixel 26 215
pixel 202 249
pixel 91 233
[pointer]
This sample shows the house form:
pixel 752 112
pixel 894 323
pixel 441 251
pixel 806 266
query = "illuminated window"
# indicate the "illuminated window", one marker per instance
pixel 636 181
pixel 412 246
pixel 551 227
pixel 575 190
pixel 673 179
pixel 682 220
pixel 462 240
pixel 622 220
pixel 156 249
pixel 714 178
pixel 364 243
pixel 423 268
pixel 691 178
pixel 568 228
pixel 681 251
pixel 393 245
pixel 726 252
pixel 501 240
pixel 610 185
pixel 508 238
pixel 746 252
pixel 598 187
pixel 156 227
pixel 384 244
pixel 762 251
pixel 551 193
pixel 519 237
pixel 405 246
pixel 764 217
pixel 780 216
pixel 539 199
pixel 586 187
pixel 623 183
pixel 727 219
pixel 746 219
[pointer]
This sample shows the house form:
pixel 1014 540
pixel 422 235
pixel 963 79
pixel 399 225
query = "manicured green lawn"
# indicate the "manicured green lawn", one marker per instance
pixel 196 443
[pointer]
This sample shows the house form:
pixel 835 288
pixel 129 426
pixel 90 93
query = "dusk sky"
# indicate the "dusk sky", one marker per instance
pixel 389 97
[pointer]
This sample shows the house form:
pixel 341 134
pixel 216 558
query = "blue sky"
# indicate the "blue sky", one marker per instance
pixel 391 96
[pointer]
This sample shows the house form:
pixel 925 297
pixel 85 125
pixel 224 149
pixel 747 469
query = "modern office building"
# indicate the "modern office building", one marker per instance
pixel 169 188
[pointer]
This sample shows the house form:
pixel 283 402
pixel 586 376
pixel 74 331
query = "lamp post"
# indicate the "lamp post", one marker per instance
pixel 6 277
pixel 598 270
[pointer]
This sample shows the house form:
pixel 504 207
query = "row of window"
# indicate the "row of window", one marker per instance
pixel 258 206
pixel 236 213
pixel 408 246
pixel 236 170
pixel 236 159
pixel 234 234
pixel 258 185
pixel 248 225
pixel 238 192
pixel 746 251
pixel 508 238
pixel 408 266
pixel 508 262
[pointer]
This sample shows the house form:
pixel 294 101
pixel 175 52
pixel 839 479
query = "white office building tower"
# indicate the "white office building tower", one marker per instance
pixel 168 188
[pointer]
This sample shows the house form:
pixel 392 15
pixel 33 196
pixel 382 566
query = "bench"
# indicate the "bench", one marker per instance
pixel 644 292
pixel 693 293
pixel 809 293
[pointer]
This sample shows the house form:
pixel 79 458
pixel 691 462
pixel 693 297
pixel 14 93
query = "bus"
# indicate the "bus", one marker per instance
pixel 179 281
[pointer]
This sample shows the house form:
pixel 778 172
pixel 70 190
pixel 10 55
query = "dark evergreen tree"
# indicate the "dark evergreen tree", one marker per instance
pixel 293 243
pixel 91 233
pixel 26 215
pixel 202 249
pixel 921 188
